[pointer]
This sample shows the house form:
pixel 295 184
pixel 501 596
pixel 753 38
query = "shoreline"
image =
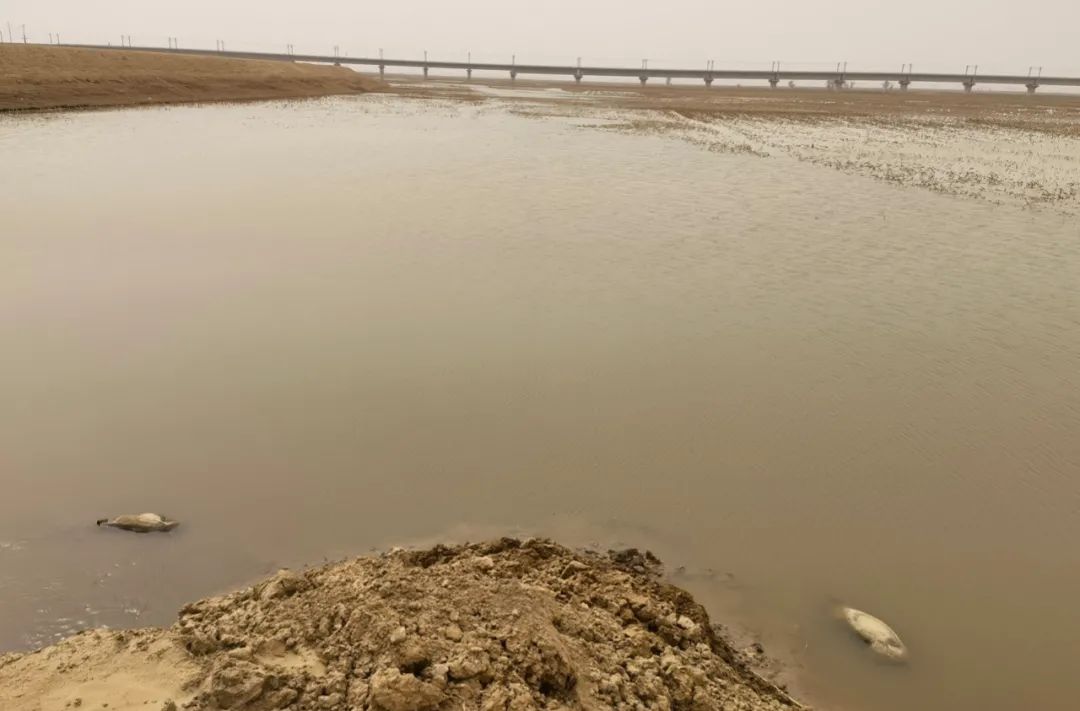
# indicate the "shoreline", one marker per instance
pixel 1057 114
pixel 504 625
pixel 44 78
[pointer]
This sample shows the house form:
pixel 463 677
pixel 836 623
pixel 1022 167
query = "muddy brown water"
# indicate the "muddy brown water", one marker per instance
pixel 312 329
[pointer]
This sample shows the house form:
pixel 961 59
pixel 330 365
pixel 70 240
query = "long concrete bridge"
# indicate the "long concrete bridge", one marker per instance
pixel 838 78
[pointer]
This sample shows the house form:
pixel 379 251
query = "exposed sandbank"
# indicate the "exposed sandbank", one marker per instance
pixel 1058 114
pixel 35 77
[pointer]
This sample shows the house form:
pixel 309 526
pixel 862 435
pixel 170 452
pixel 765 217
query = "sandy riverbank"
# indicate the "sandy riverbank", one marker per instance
pixel 1054 113
pixel 34 77
pixel 506 625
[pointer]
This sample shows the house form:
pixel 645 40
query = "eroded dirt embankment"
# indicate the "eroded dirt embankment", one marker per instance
pixel 509 625
pixel 33 77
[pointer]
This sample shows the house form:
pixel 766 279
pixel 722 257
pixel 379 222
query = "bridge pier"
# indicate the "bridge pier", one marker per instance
pixel 969 85
pixel 468 74
pixel 643 79
pixel 708 82
pixel 425 71
pixel 382 71
pixel 773 82
pixel 513 74
pixel 1032 87
pixel 578 76
pixel 668 81
pixel 904 83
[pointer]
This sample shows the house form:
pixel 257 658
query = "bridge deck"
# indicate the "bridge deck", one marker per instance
pixel 637 73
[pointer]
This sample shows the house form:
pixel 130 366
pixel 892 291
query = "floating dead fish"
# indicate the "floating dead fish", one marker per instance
pixel 881 638
pixel 140 523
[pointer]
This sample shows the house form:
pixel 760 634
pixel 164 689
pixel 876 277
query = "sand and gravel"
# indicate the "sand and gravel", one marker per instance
pixel 35 77
pixel 508 625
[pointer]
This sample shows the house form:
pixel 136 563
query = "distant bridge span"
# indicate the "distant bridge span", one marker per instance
pixel 579 71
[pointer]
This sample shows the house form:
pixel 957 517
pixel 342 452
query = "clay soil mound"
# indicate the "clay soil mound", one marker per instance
pixel 42 77
pixel 509 626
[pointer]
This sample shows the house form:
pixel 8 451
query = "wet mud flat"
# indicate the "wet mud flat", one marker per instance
pixel 510 624
pixel 1003 147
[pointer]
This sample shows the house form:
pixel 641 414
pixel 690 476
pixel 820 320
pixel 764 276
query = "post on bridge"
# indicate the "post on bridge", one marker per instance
pixel 905 76
pixel 1033 81
pixel 513 67
pixel 644 68
pixel 708 74
pixel 970 72
pixel 774 80
pixel 841 71
pixel 425 64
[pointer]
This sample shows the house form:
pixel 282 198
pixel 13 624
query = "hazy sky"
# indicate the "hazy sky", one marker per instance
pixel 942 35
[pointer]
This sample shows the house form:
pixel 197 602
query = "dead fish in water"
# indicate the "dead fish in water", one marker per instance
pixel 140 523
pixel 881 638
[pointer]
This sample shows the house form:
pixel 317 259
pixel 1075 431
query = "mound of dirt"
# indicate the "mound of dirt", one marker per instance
pixel 508 625
pixel 43 77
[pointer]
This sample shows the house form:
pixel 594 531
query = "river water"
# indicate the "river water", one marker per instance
pixel 312 329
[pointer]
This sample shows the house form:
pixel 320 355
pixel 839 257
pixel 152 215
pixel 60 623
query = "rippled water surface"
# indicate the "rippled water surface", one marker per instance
pixel 310 329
